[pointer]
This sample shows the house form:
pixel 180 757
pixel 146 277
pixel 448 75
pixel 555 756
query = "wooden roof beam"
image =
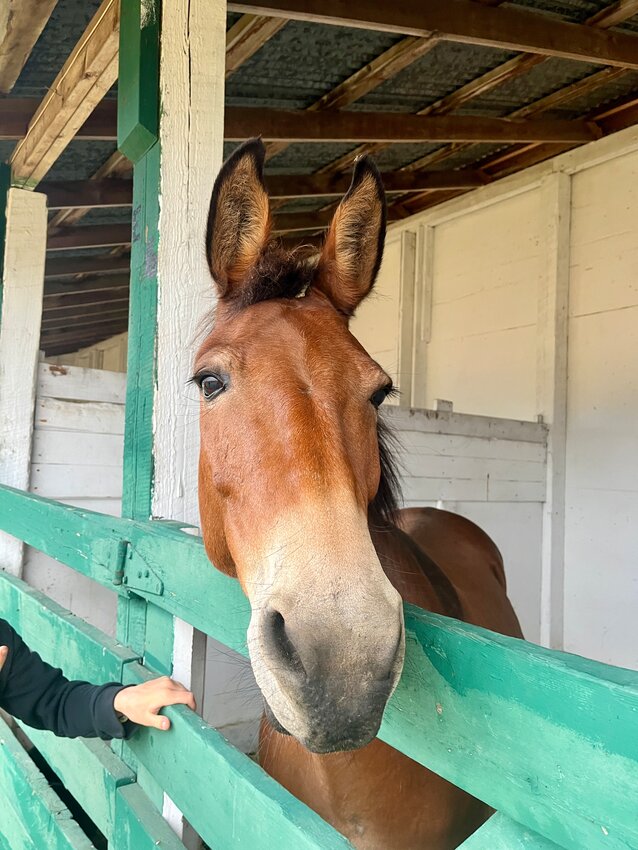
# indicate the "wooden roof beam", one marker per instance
pixel 276 124
pixel 88 315
pixel 57 267
pixel 243 39
pixel 21 23
pixel 84 79
pixel 503 73
pixel 69 194
pixel 463 21
pixel 247 36
pixel 366 79
pixel 95 236
pixel 17 112
pixel 308 185
pixel 102 283
pixel 85 336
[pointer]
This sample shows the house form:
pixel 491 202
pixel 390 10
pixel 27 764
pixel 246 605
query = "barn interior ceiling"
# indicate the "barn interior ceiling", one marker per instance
pixel 467 94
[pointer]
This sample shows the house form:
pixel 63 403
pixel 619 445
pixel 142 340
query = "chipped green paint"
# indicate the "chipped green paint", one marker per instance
pixel 545 737
pixel 89 769
pixel 30 806
pixel 502 833
pixel 229 799
pixel 138 825
pixel 138 91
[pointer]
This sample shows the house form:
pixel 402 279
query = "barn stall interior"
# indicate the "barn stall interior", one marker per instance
pixel 505 312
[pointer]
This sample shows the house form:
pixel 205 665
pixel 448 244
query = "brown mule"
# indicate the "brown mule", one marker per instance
pixel 297 501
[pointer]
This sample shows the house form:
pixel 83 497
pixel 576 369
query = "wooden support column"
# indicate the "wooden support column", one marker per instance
pixel 552 325
pixel 21 312
pixel 170 291
pixel 192 82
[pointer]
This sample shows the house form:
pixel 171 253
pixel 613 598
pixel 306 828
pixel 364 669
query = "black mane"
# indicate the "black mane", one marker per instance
pixel 384 506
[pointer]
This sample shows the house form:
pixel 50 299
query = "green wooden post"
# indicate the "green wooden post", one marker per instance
pixel 137 101
pixel 138 138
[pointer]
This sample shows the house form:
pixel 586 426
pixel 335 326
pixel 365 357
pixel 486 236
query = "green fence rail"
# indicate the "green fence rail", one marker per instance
pixel 545 737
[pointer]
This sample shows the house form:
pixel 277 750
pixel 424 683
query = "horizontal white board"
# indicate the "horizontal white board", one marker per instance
pixel 76 383
pixel 70 481
pixel 451 445
pixel 465 425
pixel 91 417
pixel 70 447
pixel 434 466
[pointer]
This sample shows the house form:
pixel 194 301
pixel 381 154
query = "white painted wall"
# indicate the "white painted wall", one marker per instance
pixel 76 458
pixel 493 472
pixel 526 303
pixel 110 354
pixel 601 569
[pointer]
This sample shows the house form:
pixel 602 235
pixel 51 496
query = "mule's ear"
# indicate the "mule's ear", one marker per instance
pixel 238 219
pixel 353 249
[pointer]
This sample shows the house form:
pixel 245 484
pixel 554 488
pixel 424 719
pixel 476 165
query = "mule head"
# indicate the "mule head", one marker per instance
pixel 289 459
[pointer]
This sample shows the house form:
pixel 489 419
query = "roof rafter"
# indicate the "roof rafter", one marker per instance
pixel 21 23
pixel 247 36
pixel 86 76
pixel 299 126
pixel 94 236
pixel 57 267
pixel 463 21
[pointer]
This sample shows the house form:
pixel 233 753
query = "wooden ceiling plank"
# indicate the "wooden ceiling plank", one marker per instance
pixel 102 283
pixel 79 317
pixel 307 185
pixel 464 21
pixel 95 236
pixel 240 40
pixel 21 23
pixel 17 112
pixel 299 126
pixel 84 79
pixel 84 336
pixel 103 194
pixel 247 36
pixel 615 14
pixel 117 165
pixel 60 302
pixel 503 73
pixel 366 79
pixel 57 267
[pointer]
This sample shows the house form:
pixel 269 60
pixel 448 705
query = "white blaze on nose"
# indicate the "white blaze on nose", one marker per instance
pixel 319 570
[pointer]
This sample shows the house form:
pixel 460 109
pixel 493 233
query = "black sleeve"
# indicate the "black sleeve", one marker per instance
pixel 42 697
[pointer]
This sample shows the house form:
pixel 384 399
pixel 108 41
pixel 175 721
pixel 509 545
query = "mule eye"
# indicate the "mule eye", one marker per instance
pixel 380 396
pixel 211 386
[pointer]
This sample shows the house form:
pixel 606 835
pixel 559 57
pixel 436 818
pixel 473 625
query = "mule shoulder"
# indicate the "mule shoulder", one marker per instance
pixel 471 561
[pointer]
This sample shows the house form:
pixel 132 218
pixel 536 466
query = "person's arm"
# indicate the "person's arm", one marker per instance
pixel 42 697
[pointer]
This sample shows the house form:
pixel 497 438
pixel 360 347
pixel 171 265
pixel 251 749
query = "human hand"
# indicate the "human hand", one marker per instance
pixel 4 651
pixel 141 703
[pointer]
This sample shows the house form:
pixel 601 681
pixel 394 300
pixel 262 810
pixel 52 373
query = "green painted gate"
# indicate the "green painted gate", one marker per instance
pixel 548 739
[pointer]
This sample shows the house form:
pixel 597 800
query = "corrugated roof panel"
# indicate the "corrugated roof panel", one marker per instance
pixel 306 158
pixel 540 81
pixel 301 63
pixel 576 11
pixel 441 71
pixel 80 160
pixel 62 32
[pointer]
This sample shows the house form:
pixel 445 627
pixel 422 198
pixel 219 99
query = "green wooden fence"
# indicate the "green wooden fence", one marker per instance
pixel 545 737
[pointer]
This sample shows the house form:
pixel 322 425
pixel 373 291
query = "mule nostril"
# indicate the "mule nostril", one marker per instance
pixel 280 644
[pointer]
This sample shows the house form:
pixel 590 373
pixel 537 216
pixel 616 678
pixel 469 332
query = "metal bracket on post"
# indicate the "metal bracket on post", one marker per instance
pixel 128 569
pixel 139 576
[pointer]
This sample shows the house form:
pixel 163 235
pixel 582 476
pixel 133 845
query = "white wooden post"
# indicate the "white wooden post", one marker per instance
pixel 23 283
pixel 553 302
pixel 192 73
